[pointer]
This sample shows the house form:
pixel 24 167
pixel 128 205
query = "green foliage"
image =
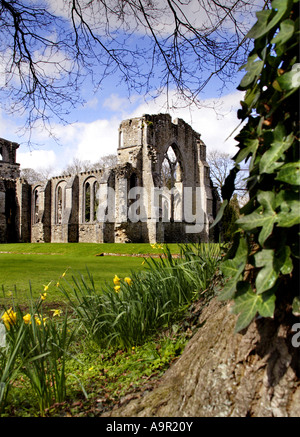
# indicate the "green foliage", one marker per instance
pixel 36 347
pixel 125 315
pixel 40 263
pixel 231 214
pixel 137 322
pixel 263 264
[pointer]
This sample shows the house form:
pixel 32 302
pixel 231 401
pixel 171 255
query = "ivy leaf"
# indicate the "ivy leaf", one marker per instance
pixel 296 306
pixel 267 200
pixel 289 204
pixel 233 269
pixel 290 173
pixel 266 19
pixel 253 69
pixel 247 304
pixel 220 213
pixel 281 143
pixel 268 275
pixel 229 187
pixel 272 264
pixel 286 32
pixel 288 81
pixel 283 261
pixel 263 217
pixel 260 26
pixel 250 147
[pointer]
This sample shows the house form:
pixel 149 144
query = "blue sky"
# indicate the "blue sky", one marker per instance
pixel 94 132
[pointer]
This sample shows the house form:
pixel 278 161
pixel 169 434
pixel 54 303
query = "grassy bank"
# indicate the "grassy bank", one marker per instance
pixel 41 264
pixel 83 356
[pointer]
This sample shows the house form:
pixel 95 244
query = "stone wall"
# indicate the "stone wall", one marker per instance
pixel 143 198
pixel 9 206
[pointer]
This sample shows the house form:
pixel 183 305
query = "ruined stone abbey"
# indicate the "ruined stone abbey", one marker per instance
pixel 160 191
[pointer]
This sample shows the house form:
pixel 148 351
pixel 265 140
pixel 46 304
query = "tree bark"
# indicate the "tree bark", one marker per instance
pixel 226 374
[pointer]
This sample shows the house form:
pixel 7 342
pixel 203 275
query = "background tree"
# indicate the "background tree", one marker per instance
pixel 220 164
pixel 106 161
pixel 77 166
pixel 32 176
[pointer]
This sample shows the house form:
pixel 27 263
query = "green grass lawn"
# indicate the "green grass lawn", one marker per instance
pixel 40 264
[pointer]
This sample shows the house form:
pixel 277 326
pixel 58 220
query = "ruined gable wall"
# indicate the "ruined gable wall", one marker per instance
pixel 61 214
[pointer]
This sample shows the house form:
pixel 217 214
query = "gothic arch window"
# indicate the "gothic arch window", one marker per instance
pixel 133 182
pixel 60 202
pixel 90 200
pixel 87 202
pixel 172 183
pixel 36 205
pixel 121 139
pixel 1 156
pixel 171 169
pixel 96 199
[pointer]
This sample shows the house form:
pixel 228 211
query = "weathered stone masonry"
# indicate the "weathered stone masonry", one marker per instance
pixel 66 208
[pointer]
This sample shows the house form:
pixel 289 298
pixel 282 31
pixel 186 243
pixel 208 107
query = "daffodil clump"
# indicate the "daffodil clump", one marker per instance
pixel 157 246
pixel 117 281
pixel 35 347
pixel 9 318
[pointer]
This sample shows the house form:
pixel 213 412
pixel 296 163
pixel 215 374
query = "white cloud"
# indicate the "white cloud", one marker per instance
pixel 37 159
pixel 215 120
pixel 116 103
pixel 87 141
pixel 125 16
pixel 97 139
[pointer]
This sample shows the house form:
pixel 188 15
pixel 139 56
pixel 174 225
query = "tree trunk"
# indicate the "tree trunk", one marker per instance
pixel 222 373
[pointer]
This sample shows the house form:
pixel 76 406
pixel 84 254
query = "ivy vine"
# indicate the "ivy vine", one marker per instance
pixel 262 265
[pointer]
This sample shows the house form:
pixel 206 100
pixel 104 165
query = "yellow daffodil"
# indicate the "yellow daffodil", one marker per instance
pixel 43 296
pixel 117 288
pixel 143 262
pixel 56 312
pixel 27 319
pixel 46 287
pixel 57 284
pixel 116 280
pixel 9 318
pixel 128 280
pixel 64 273
pixel 38 321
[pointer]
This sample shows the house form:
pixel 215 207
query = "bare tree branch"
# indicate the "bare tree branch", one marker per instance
pixel 46 54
